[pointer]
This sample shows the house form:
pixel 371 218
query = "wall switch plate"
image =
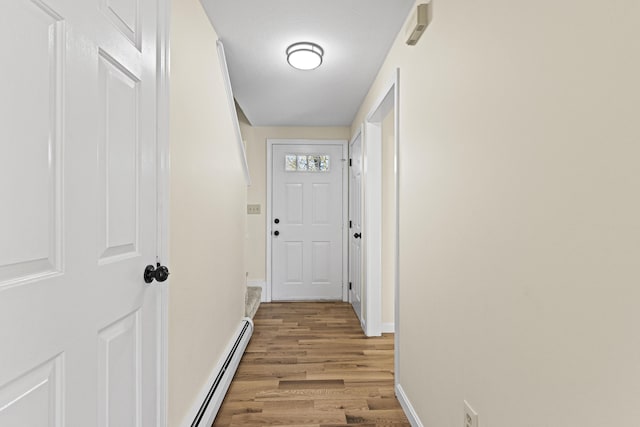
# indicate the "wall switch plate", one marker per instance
pixel 470 416
pixel 253 209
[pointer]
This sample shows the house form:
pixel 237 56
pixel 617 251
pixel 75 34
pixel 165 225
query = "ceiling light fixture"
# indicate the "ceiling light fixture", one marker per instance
pixel 305 55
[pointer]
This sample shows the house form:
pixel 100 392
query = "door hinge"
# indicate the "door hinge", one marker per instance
pixel 350 285
pixel 350 224
pixel 350 162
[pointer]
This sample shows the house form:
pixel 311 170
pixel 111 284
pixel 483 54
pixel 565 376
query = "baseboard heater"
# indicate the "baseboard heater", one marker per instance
pixel 224 373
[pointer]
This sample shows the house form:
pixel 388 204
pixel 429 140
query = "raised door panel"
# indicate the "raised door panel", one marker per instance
pixel 294 204
pixel 31 130
pixel 321 204
pixel 321 270
pixel 294 256
pixel 356 272
pixel 35 398
pixel 120 373
pixel 125 16
pixel 119 161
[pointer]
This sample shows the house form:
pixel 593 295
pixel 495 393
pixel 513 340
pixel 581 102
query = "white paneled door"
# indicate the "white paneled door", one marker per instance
pixel 307 222
pixel 78 325
pixel 355 225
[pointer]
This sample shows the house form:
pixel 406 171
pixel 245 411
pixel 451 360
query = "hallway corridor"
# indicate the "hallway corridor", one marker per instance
pixel 310 364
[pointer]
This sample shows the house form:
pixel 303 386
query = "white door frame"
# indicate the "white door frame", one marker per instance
pixel 345 208
pixel 372 234
pixel 162 183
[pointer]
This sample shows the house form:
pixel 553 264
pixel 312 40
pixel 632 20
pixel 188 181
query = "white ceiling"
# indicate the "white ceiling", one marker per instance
pixel 355 35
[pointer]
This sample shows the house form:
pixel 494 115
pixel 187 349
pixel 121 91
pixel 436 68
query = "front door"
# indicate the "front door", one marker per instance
pixel 355 223
pixel 307 215
pixel 78 325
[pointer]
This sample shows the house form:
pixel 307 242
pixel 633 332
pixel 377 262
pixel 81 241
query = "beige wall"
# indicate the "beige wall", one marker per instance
pixel 520 216
pixel 388 219
pixel 207 211
pixel 256 143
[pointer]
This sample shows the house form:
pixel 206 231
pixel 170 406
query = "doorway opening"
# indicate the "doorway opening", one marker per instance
pixel 380 220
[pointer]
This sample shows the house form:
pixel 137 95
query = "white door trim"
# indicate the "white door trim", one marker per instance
pixel 345 221
pixel 372 182
pixel 345 210
pixel 396 251
pixel 372 227
pixel 163 175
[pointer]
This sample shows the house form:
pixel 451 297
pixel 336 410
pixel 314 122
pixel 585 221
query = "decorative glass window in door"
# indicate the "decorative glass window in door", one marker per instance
pixel 306 162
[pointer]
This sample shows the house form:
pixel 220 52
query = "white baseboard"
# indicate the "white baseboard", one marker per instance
pixel 388 328
pixel 411 414
pixel 208 401
pixel 261 284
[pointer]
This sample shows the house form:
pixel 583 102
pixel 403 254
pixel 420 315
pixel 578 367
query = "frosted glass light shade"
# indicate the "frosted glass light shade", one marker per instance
pixel 305 55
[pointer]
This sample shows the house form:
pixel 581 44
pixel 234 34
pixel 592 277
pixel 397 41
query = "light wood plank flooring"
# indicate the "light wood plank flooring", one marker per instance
pixel 309 364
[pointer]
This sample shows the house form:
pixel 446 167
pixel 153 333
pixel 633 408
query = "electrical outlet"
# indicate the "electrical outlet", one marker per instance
pixel 253 209
pixel 470 416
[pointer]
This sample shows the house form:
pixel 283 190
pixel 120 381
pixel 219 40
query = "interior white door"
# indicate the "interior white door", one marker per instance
pixel 306 233
pixel 78 325
pixel 355 224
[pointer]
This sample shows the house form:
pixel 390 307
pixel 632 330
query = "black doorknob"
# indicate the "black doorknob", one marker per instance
pixel 277 221
pixel 276 233
pixel 357 235
pixel 159 273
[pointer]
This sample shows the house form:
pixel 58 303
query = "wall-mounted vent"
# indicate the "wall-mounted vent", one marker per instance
pixel 418 22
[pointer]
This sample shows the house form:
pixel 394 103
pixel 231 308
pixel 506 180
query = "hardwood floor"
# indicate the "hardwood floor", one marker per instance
pixel 309 364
